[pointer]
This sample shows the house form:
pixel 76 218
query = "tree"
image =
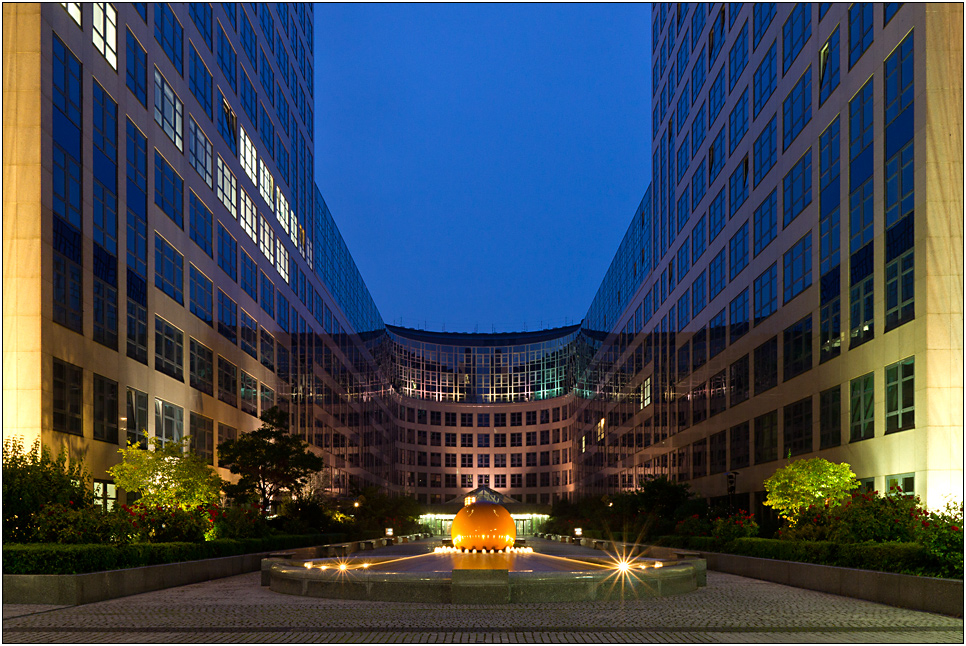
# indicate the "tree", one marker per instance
pixel 808 482
pixel 168 475
pixel 269 460
pixel 32 479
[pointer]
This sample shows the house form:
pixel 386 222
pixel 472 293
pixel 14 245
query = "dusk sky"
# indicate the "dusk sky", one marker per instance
pixel 482 161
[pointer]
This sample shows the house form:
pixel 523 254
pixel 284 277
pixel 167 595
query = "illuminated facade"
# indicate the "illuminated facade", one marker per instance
pixel 790 285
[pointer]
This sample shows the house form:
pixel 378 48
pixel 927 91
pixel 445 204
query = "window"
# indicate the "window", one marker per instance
pixel 200 366
pixel 698 239
pixel 699 293
pixel 766 365
pixel 199 80
pixel 266 184
pixel 200 294
pixel 137 182
pixel 249 98
pixel 170 35
pixel 226 188
pixel 738 250
pixel 137 322
pixel 227 317
pixel 227 252
pixel 169 269
pixel 901 484
pixel 227 60
pixel 828 67
pixel 716 37
pixel 766 293
pixel 739 316
pixel 105 309
pixel 739 441
pixel 797 188
pixel 738 185
pixel 862 409
pixel 718 386
pixel 267 291
pixel 716 96
pixel 830 326
pixel 68 398
pixel 797 109
pixel 200 223
pixel 168 109
pixel 740 380
pixel 168 349
pixel 248 156
pixel 795 33
pixel 830 418
pixel 765 80
pixel 266 241
pixel 267 397
pixel 699 128
pixel 738 57
pixel 168 422
pixel 766 222
pixel 716 154
pixel 900 290
pixel 861 32
pixel 766 149
pixel 889 9
pixel 202 432
pixel 900 184
pixel 900 395
pixel 798 267
pixel 718 330
pixel 716 274
pixel 227 124
pixel 267 350
pixel 200 13
pixel 861 322
pixel 137 418
pixel 798 348
pixel 104 34
pixel 199 151
pixel 227 381
pixel 738 121
pixel 168 190
pixel 762 14
pixel 766 437
pixel 698 185
pixel 829 198
pixel 249 276
pixel 136 72
pixel 798 427
pixel 73 10
pixel 249 335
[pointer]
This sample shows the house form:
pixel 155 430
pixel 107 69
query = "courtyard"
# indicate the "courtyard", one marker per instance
pixel 238 610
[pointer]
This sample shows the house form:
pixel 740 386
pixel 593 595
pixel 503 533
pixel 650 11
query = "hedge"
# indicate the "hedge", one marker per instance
pixel 904 558
pixel 51 558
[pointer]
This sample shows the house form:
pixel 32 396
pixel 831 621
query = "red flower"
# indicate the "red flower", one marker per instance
pixel 955 529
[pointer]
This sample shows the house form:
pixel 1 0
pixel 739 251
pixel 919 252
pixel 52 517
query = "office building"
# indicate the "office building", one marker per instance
pixel 789 286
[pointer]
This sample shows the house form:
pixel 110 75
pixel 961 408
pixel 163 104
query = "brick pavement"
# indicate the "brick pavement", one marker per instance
pixel 238 610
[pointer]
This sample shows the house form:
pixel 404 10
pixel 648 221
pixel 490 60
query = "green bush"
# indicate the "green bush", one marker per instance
pixel 905 558
pixel 237 522
pixel 738 525
pixel 33 479
pixel 693 525
pixel 43 558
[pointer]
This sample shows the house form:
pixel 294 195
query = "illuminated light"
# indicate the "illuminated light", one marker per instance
pixel 324 567
pixel 365 565
pixel 343 566
pixel 623 566
pixel 658 564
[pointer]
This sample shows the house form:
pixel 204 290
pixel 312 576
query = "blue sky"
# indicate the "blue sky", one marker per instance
pixel 482 161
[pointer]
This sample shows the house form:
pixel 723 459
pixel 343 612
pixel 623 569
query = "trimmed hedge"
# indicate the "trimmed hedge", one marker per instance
pixel 903 558
pixel 50 558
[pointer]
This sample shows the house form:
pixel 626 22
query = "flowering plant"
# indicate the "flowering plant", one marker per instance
pixel 738 525
pixel 693 525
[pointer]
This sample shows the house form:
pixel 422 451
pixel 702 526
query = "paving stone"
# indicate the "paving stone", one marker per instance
pixel 238 610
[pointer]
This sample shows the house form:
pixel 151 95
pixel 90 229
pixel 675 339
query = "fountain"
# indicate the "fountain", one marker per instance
pixel 483 565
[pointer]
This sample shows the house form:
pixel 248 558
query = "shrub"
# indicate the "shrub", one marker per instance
pixel 33 479
pixel 45 558
pixel 64 524
pixel 802 483
pixel 739 525
pixel 237 522
pixel 871 517
pixel 693 525
pixel 942 538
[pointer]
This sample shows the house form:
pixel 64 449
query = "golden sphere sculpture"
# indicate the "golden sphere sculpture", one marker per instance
pixel 483 526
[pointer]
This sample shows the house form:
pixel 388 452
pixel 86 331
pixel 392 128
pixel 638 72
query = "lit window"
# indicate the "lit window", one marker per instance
pixel 104 33
pixel 249 156
pixel 73 10
pixel 168 110
pixel 281 259
pixel 226 188
pixel 249 217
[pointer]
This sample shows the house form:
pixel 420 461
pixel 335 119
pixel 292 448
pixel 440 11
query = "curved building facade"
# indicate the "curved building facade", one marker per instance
pixel 171 269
